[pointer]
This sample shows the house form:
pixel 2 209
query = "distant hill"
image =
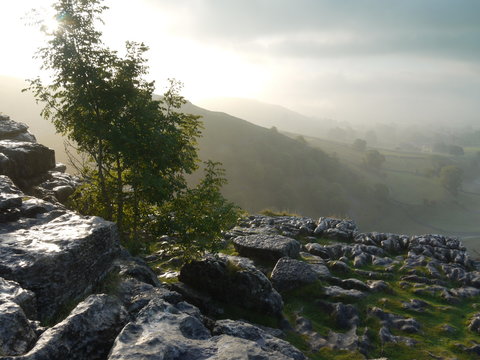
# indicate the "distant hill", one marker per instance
pixel 268 169
pixel 265 168
pixel 269 115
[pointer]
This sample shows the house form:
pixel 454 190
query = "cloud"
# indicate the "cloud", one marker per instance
pixel 300 28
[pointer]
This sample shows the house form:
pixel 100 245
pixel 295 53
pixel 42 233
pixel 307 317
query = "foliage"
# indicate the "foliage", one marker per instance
pixel 374 159
pixel 455 150
pixel 139 149
pixel 359 145
pixel 196 217
pixel 451 178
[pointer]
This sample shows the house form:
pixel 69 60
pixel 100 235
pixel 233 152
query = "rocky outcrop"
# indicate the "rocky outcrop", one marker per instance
pixel 15 131
pixel 87 333
pixel 31 166
pixel 266 246
pixel 353 291
pixel 176 332
pixel 55 253
pixel 233 280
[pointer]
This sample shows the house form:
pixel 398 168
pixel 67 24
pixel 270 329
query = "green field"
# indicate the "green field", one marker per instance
pixel 417 203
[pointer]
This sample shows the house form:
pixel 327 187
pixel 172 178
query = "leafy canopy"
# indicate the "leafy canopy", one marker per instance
pixel 138 149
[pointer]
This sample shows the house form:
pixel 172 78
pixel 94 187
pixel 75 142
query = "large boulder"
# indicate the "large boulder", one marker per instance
pixel 25 163
pixel 235 280
pixel 175 332
pixel 87 333
pixel 289 274
pixel 55 253
pixel 267 246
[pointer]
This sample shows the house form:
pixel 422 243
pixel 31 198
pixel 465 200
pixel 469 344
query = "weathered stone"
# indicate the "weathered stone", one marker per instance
pixel 59 260
pixel 135 295
pixel 474 324
pixel 345 316
pixel 339 266
pixel 415 305
pixel 240 329
pixel 386 336
pixel 378 285
pixel 289 274
pixel 270 247
pixel 10 291
pixel 233 280
pixel 337 292
pixel 16 333
pixel 318 250
pixel 87 333
pixel 393 320
pixel 355 284
pixel 163 331
pixel 361 260
pixel 12 130
pixel 25 162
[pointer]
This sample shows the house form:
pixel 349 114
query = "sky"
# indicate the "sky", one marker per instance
pixel 370 61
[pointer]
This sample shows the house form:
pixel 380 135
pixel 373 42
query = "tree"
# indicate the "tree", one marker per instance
pixel 374 160
pixel 139 149
pixel 455 150
pixel 451 178
pixel 359 145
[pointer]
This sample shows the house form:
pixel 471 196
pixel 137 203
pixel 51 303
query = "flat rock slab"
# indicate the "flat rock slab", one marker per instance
pixel 59 260
pixel 289 274
pixel 337 292
pixel 267 246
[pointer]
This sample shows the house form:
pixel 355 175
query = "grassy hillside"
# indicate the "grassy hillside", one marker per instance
pixel 418 203
pixel 267 169
pixel 312 177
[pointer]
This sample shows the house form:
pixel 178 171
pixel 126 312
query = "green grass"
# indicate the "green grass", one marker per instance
pixel 432 340
pixel 406 211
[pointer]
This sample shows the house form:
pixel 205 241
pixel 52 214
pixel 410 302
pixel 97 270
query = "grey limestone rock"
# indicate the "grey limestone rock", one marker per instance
pixel 289 274
pixel 87 333
pixel 337 292
pixel 474 324
pixel 12 130
pixel 17 334
pixel 416 305
pixel 386 336
pixel 345 316
pixel 164 331
pixel 11 291
pixel 390 320
pixel 232 279
pixel 24 162
pixel 270 247
pixel 240 329
pixel 378 285
pixel 58 259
